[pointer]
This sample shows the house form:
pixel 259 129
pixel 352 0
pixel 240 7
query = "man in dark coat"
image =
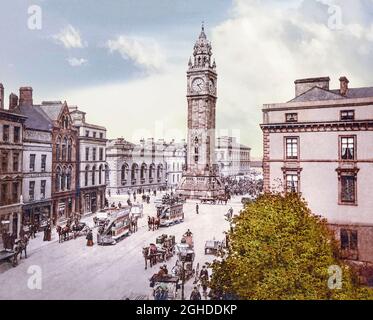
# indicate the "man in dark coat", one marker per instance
pixel 89 238
pixel 195 295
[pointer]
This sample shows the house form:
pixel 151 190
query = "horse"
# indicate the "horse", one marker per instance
pixel 133 224
pixel 156 223
pixel 149 255
pixel 150 223
pixel 21 246
pixel 63 233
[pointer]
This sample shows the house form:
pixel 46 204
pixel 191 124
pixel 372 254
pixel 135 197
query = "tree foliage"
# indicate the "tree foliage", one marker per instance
pixel 277 249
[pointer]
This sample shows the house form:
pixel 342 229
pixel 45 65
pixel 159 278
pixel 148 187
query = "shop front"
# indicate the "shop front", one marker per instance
pixel 37 214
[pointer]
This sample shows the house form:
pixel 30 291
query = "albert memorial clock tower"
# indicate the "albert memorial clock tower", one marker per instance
pixel 200 177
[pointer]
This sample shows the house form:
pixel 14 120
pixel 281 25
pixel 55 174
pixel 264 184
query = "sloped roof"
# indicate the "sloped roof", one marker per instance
pixel 354 93
pixel 317 94
pixel 52 110
pixel 36 118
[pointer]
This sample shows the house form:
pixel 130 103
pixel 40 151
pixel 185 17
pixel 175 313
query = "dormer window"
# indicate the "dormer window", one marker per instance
pixel 347 115
pixel 291 117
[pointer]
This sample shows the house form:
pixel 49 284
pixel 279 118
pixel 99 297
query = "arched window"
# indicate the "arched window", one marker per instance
pixel 107 174
pixel 100 175
pixel 69 149
pixel 68 178
pixel 66 122
pixel 196 149
pixel 159 172
pixel 86 173
pixel 63 179
pixel 93 175
pixel 151 171
pixel 124 173
pixel 64 146
pixel 143 172
pixel 134 171
pixel 58 179
pixel 58 145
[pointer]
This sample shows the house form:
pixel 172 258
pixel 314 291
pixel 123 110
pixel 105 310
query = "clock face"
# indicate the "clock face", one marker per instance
pixel 198 84
pixel 212 86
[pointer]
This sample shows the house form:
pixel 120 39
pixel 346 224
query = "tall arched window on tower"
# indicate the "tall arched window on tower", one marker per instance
pixel 196 150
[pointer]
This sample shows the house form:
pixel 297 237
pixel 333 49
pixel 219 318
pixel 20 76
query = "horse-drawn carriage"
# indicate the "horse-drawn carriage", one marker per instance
pixel 208 200
pixel 116 226
pixel 9 256
pixel 165 287
pixel 185 252
pixel 213 246
pixel 137 210
pixel 166 243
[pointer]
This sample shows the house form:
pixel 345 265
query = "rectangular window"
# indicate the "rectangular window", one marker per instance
pixel 32 190
pixel 348 189
pixel 43 162
pixel 4 161
pixel 101 135
pixel 94 154
pixel 87 133
pixel 349 239
pixel 292 183
pixel 17 134
pixel 32 162
pixel 15 162
pixel 347 115
pixel 6 133
pixel 94 134
pixel 86 154
pixel 348 148
pixel 291 148
pixel 4 191
pixel 43 184
pixel 15 191
pixel 291 117
pixel 101 154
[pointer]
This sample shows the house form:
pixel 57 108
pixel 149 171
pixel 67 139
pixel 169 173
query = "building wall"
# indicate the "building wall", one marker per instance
pixel 319 165
pixel 38 208
pixel 10 177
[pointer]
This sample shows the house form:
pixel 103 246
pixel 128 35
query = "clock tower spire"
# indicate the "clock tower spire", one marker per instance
pixel 200 179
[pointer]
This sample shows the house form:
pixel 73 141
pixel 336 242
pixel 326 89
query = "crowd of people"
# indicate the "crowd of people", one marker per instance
pixel 243 186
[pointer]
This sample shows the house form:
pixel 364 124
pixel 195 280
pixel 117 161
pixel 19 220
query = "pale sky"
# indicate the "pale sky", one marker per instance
pixel 124 62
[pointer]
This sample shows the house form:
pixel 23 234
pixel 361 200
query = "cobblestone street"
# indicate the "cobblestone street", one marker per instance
pixel 72 270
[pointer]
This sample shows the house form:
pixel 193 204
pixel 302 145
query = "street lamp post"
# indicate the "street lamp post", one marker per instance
pixel 182 257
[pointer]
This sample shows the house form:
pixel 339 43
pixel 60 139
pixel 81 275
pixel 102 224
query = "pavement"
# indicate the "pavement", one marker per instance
pixel 71 270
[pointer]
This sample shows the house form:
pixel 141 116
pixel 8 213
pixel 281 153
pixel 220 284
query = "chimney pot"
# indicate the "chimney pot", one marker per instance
pixel 25 96
pixel 343 85
pixel 13 101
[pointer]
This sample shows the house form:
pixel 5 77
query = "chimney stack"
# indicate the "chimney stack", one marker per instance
pixel 13 101
pixel 25 96
pixel 344 85
pixel 1 96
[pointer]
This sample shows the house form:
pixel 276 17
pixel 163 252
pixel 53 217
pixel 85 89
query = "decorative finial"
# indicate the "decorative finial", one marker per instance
pixel 203 25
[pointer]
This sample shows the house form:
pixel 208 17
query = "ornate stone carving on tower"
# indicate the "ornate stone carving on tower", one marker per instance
pixel 200 177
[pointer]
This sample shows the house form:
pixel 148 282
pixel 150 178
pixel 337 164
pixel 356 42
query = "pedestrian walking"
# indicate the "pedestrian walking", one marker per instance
pixel 89 238
pixel 197 208
pixel 195 295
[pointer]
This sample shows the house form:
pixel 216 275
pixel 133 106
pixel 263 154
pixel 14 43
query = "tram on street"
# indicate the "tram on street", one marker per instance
pixel 115 227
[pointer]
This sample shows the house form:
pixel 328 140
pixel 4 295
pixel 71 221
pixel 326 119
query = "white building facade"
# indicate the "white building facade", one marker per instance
pixel 232 157
pixel 92 164
pixel 320 144
pixel 147 166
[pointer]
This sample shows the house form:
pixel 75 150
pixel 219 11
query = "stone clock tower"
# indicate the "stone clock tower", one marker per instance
pixel 200 177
